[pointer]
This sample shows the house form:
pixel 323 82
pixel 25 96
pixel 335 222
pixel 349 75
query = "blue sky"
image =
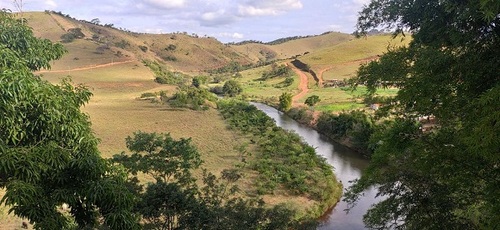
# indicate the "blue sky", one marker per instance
pixel 226 20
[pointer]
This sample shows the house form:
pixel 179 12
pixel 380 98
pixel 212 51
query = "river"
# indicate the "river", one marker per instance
pixel 347 165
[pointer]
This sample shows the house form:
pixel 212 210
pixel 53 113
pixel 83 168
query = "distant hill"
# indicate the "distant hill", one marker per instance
pixel 290 47
pixel 104 44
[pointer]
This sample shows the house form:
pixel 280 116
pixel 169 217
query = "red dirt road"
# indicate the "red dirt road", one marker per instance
pixel 302 85
pixel 85 68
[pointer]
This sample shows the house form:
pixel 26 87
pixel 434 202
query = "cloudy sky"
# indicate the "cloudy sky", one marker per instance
pixel 227 20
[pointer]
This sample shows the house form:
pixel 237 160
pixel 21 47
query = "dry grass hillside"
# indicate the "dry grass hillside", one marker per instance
pixel 105 44
pixel 291 48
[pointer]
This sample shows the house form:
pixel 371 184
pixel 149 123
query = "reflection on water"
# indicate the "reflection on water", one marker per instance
pixel 347 166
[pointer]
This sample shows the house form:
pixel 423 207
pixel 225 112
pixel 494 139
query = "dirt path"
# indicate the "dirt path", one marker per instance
pixel 85 68
pixel 302 85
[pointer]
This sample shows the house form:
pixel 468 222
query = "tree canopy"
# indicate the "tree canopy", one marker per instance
pixel 48 153
pixel 444 174
pixel 232 88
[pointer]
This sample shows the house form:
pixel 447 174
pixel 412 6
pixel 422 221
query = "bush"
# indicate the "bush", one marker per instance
pixel 192 97
pixel 143 48
pixel 232 88
pixel 148 94
pixel 169 58
pixel 171 47
pixel 122 44
pixel 67 38
pixel 217 90
pixel 301 115
pixel 356 126
pixel 312 100
pixel 285 101
pixel 276 71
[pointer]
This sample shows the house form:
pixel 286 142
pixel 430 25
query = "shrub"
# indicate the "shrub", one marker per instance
pixel 148 94
pixel 143 48
pixel 67 38
pixel 217 90
pixel 232 88
pixel 169 58
pixel 302 115
pixel 171 47
pixel 122 44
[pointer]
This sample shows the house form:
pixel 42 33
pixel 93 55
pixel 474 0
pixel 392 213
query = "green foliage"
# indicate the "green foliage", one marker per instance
pixel 122 44
pixel 148 94
pixel 169 162
pixel 149 151
pixel 169 58
pixel 164 76
pixel 67 38
pixel 73 33
pixel 232 67
pixel 48 152
pixel 217 90
pixel 445 178
pixel 355 126
pixel 276 71
pixel 301 115
pixel 285 101
pixel 196 82
pixel 232 88
pixel 174 201
pixel 285 83
pixel 143 48
pixel 171 47
pixel 312 100
pixel 191 97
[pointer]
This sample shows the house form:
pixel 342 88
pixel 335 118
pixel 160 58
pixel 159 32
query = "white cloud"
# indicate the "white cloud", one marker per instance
pixel 166 4
pixel 51 3
pixel 268 7
pixel 216 18
pixel 236 36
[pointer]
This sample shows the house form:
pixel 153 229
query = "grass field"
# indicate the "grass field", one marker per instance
pixel 258 89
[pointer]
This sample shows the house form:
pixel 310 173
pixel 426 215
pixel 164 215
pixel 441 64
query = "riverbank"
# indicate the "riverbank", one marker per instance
pixel 284 163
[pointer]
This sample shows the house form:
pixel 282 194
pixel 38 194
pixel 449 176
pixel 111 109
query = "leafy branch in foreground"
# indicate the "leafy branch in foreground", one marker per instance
pixel 443 175
pixel 48 152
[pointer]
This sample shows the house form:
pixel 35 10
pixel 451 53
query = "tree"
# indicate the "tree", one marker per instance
pixel 447 177
pixel 48 152
pixel 166 203
pixel 285 101
pixel 95 21
pixel 312 100
pixel 174 201
pixel 232 88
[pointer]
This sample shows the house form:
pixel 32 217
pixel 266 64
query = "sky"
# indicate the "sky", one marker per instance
pixel 226 20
